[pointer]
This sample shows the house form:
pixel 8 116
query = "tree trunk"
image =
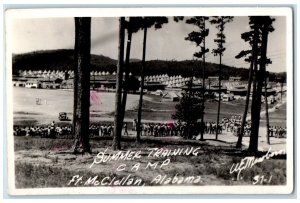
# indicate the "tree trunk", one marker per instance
pixel 253 146
pixel 81 120
pixel 138 132
pixel 125 88
pixel 75 81
pixel 191 94
pixel 219 100
pixel 253 61
pixel 220 63
pixel 119 75
pixel 203 90
pixel 254 103
pixel 281 91
pixel 241 133
pixel 267 113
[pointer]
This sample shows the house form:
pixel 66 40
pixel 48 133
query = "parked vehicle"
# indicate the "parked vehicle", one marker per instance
pixel 227 97
pixel 63 116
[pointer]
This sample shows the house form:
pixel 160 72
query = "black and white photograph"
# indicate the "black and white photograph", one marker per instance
pixel 150 101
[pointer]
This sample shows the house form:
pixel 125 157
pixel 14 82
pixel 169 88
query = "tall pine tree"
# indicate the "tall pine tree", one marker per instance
pixel 118 96
pixel 251 56
pixel 265 26
pixel 146 22
pixel 82 85
pixel 220 22
pixel 198 37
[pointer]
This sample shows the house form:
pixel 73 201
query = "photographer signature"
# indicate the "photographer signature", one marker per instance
pixel 250 161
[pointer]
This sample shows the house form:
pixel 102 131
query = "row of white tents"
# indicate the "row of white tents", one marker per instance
pixel 172 81
pixel 59 74
pixel 169 81
pixel 164 78
pixel 233 85
pixel 44 74
pixel 106 73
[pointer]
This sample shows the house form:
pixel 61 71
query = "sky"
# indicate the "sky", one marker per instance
pixel 167 43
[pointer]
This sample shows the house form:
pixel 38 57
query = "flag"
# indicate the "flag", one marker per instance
pixel 95 98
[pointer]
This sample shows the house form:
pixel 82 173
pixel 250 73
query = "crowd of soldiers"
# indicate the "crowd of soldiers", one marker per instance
pixel 147 129
pixel 277 131
pixel 180 129
pixel 162 129
pixel 232 124
pixel 102 130
pixel 51 130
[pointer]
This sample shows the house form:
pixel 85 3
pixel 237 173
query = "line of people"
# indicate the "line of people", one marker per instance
pixel 277 131
pixel 232 124
pixel 162 129
pixel 51 130
pixel 102 130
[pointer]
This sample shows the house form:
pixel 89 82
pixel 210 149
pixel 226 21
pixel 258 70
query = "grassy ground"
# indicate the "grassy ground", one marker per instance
pixel 162 111
pixel 277 118
pixel 26 112
pixel 43 162
pixel 59 100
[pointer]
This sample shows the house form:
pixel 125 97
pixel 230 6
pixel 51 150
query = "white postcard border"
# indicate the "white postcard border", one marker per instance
pixel 115 12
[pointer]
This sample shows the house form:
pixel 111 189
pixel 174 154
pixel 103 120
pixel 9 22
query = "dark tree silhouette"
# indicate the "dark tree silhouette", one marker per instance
pixel 267 110
pixel 189 109
pixel 138 130
pixel 220 22
pixel 198 37
pixel 265 25
pixel 253 56
pixel 75 86
pixel 146 22
pixel 126 71
pixel 118 97
pixel 132 26
pixel 253 38
pixel 82 85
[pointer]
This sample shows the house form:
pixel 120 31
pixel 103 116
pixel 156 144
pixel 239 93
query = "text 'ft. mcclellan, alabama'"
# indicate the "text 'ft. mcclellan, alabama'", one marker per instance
pixel 161 158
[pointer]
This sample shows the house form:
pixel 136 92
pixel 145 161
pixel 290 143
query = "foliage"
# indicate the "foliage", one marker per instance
pixel 138 23
pixel 198 37
pixel 261 26
pixel 220 22
pixel 249 37
pixel 189 109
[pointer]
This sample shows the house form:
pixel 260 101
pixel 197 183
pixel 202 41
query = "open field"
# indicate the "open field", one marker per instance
pixel 43 162
pixel 276 117
pixel 55 101
pixel 162 111
pixel 27 112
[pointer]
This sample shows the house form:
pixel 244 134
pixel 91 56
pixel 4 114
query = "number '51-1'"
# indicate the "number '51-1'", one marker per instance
pixel 261 179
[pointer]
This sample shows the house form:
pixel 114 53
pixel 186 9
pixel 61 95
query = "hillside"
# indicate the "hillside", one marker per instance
pixel 55 60
pixel 64 60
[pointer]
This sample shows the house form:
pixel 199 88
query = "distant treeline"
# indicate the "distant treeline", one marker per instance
pixel 64 60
